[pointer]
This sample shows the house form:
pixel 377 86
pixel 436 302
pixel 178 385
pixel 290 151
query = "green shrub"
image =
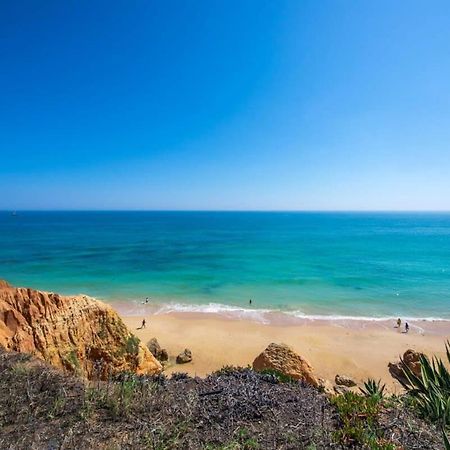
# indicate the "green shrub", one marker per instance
pixel 228 369
pixel 280 376
pixel 115 397
pixel 358 416
pixel 71 359
pixel 243 441
pixel 132 345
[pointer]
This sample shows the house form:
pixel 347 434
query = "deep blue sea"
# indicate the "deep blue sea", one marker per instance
pixel 333 264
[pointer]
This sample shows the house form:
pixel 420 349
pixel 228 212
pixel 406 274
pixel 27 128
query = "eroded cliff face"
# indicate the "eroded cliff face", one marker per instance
pixel 79 334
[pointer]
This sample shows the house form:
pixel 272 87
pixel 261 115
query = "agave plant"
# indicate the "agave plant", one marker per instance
pixel 446 441
pixel 431 389
pixel 373 388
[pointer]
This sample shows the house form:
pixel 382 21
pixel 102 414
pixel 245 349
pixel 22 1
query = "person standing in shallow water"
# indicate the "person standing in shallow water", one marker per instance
pixel 250 302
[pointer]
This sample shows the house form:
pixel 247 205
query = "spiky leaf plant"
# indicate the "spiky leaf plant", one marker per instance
pixel 431 389
pixel 373 388
pixel 446 441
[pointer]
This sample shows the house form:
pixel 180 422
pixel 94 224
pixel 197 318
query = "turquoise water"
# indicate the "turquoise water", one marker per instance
pixel 339 264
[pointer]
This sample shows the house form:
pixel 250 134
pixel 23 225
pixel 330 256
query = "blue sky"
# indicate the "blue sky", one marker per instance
pixel 288 105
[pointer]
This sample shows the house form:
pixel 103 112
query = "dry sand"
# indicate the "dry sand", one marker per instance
pixel 360 349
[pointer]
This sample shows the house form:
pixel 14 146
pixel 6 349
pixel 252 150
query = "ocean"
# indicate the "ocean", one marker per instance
pixel 304 264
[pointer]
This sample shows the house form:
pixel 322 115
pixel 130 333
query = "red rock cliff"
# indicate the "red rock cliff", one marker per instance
pixel 79 334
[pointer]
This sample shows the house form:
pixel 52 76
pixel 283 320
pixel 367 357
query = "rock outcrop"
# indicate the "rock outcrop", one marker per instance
pixel 159 353
pixel 184 357
pixel 79 334
pixel 281 358
pixel 326 386
pixel 344 380
pixel 412 360
pixel 340 389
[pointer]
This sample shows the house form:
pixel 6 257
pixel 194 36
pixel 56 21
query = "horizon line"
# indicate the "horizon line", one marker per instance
pixel 232 210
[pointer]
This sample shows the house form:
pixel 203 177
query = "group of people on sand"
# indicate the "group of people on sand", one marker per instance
pixel 399 324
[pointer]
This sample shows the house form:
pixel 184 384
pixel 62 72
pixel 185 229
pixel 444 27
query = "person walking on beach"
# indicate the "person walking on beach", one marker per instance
pixel 143 324
pixel 406 327
pixel 399 322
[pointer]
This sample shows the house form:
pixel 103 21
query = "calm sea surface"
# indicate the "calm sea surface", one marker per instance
pixel 339 264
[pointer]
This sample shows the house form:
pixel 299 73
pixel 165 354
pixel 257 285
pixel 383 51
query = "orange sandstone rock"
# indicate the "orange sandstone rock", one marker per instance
pixel 79 334
pixel 411 359
pixel 281 358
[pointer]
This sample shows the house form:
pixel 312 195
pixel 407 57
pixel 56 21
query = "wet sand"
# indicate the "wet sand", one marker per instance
pixel 360 349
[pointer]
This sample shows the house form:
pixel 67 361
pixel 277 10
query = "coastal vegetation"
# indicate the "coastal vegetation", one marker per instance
pixel 360 421
pixel 373 389
pixel 234 409
pixel 430 390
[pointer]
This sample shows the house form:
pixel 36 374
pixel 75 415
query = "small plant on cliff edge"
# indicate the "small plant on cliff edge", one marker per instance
pixel 119 400
pixel 58 406
pixel 280 376
pixel 373 388
pixel 132 345
pixel 242 441
pixel 358 416
pixel 229 370
pixel 71 361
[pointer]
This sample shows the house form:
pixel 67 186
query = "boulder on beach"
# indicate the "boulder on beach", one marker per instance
pixel 164 355
pixel 326 386
pixel 344 380
pixel 283 359
pixel 411 359
pixel 340 389
pixel 159 353
pixel 184 357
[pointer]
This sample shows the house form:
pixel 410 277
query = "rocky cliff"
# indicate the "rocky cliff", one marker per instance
pixel 79 334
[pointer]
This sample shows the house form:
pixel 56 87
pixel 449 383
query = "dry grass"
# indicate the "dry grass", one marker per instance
pixel 233 409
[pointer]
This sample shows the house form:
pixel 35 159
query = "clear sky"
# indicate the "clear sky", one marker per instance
pixel 225 104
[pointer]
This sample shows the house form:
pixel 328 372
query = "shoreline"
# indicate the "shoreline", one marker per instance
pixel 264 316
pixel 357 348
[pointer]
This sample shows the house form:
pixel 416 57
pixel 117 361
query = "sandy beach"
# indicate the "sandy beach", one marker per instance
pixel 360 349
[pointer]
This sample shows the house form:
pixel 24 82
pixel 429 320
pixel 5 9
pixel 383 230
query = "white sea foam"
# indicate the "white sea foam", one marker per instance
pixel 334 317
pixel 260 315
